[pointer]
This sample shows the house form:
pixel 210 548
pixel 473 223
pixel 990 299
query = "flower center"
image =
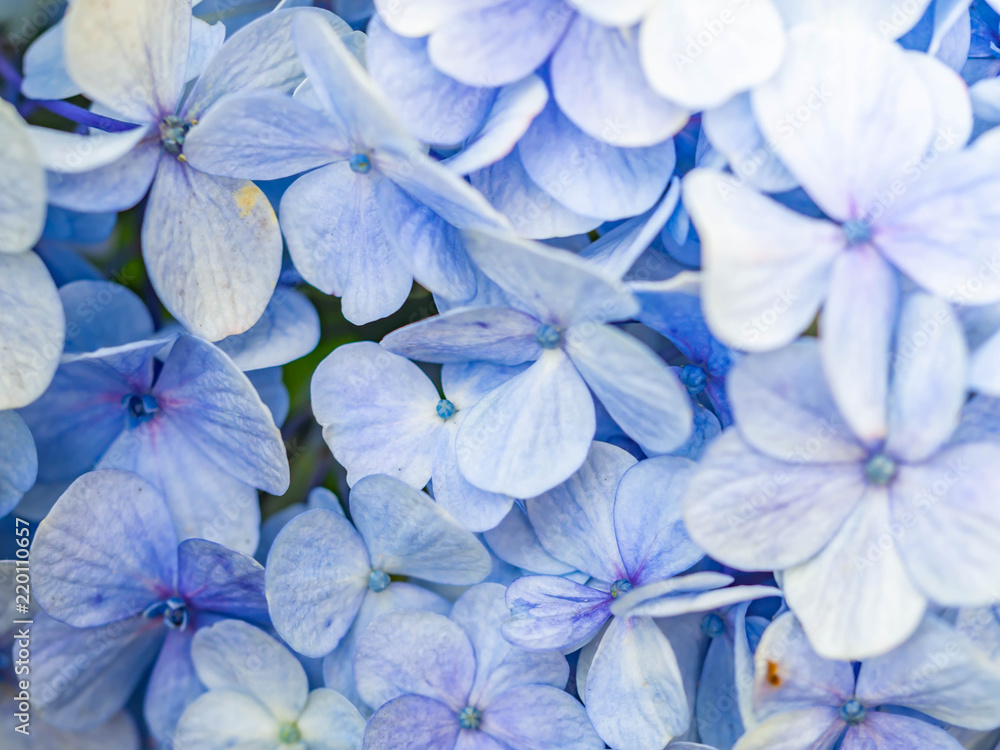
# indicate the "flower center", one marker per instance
pixel 378 580
pixel 445 409
pixel 173 611
pixel 712 625
pixel 619 587
pixel 361 163
pixel 289 734
pixel 880 469
pixel 470 717
pixel 853 712
pixel 140 408
pixel 857 231
pixel 693 378
pixel 173 131
pixel 548 337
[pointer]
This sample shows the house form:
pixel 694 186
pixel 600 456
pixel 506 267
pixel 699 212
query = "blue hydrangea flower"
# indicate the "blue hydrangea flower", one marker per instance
pixel 804 701
pixel 31 321
pixel 618 521
pixel 382 415
pixel 378 212
pixel 874 135
pixel 454 682
pixel 211 243
pixel 325 575
pixel 879 526
pixel 121 595
pixel 258 696
pixel 194 427
pixel 534 431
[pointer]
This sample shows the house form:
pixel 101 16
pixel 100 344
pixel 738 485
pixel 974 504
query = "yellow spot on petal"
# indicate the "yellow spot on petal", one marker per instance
pixel 773 675
pixel 246 199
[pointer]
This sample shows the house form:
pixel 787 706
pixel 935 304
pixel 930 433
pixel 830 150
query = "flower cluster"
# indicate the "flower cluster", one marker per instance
pixel 500 374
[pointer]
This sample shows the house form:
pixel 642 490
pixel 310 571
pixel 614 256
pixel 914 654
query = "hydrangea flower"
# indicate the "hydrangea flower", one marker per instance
pixel 258 695
pixel 394 211
pixel 618 521
pixel 879 526
pixel 325 575
pixel 31 322
pixel 119 589
pixel 192 425
pixel 454 682
pixel 211 243
pixel 534 431
pixel 874 135
pixel 382 415
pixel 804 701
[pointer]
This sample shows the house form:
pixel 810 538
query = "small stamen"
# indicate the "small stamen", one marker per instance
pixel 712 625
pixel 361 163
pixel 880 469
pixel 619 587
pixel 445 409
pixel 378 580
pixel 470 718
pixel 853 712
pixel 548 337
pixel 857 231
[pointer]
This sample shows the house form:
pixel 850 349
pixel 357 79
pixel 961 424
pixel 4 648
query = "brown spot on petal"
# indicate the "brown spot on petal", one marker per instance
pixel 772 673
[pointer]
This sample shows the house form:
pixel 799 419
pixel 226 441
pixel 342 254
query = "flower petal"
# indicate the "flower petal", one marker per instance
pixel 409 534
pixel 879 603
pixel 213 249
pixel 415 652
pixel 316 578
pixel 105 551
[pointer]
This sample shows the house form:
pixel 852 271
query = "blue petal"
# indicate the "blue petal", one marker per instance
pixel 540 717
pixel 514 107
pixel 492 334
pixel 412 722
pixel 32 329
pixel 101 314
pixel 432 248
pixel 331 222
pixel 598 81
pixel 105 551
pixel 338 666
pixel 213 578
pixel 514 541
pixel 500 43
pixel 415 652
pixel 272 391
pixel 201 389
pixel 212 248
pixel 263 136
pixel 233 655
pixel 549 612
pixel 45 74
pixel 316 578
pixel 432 106
pixel 531 433
pixel 409 534
pixel 575 521
pixel 258 57
pixel 173 684
pixel 558 286
pixel 590 176
pixel 205 500
pixel 288 330
pixel 653 540
pixel 635 693
pixel 78 697
pixel 81 413
pixel 378 413
pixel 641 393
pixel 534 213
pixel 481 612
pixel 113 187
pixel 18 460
